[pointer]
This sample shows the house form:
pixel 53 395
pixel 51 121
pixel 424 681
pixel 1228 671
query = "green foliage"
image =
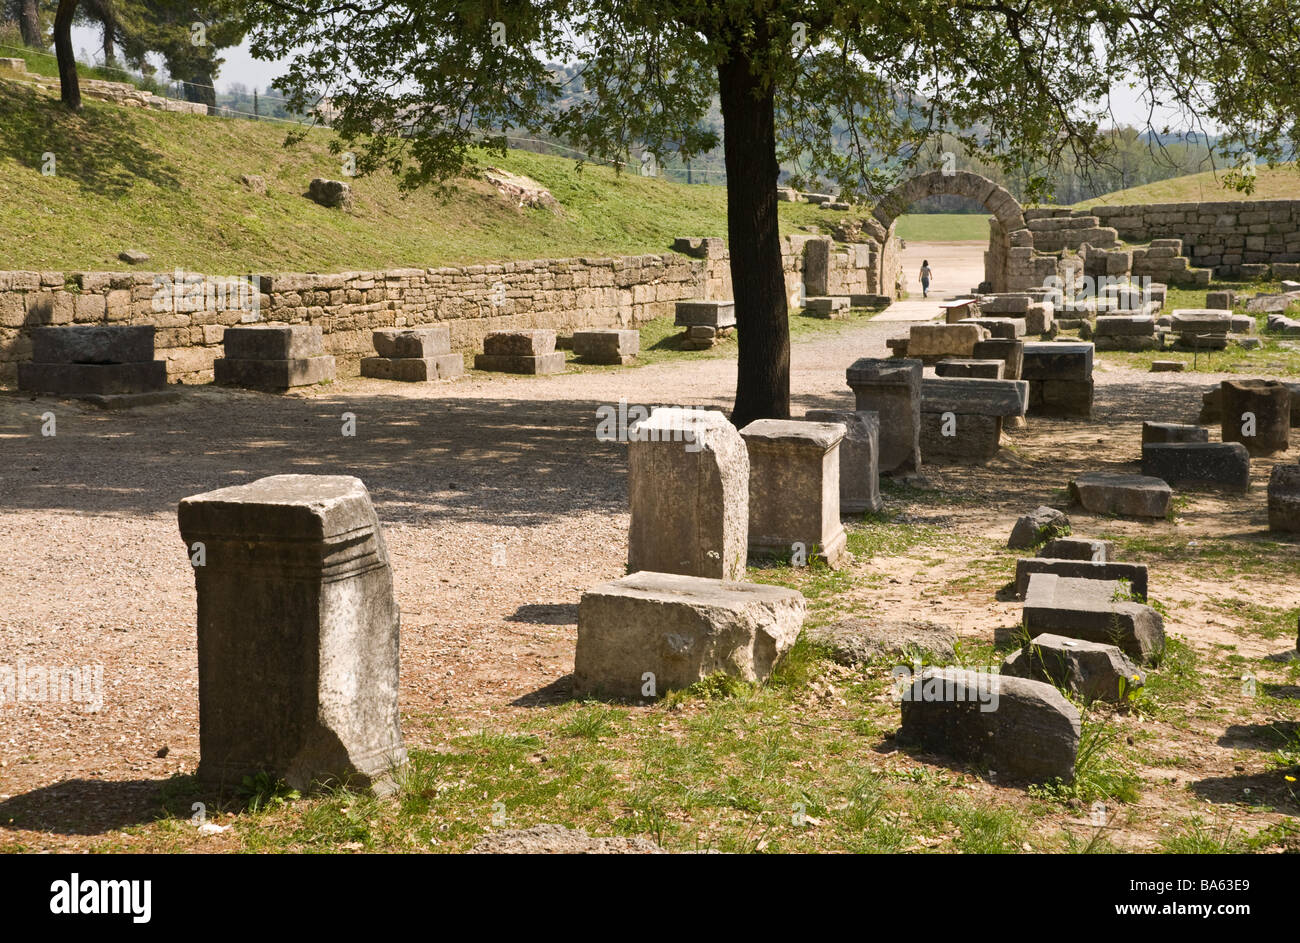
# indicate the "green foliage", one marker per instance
pixel 263 791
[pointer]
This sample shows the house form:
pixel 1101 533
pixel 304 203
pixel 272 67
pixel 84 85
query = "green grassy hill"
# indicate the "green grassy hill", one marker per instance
pixel 1279 183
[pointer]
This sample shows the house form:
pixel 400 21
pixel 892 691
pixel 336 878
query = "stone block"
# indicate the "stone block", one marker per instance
pixel 1045 360
pixel 959 439
pixel 891 387
pixel 1221 300
pixel 1197 321
pixel 1198 464
pixel 680 630
pixel 862 641
pixel 1017 728
pixel 688 490
pixel 419 343
pixel 93 344
pixel 1078 548
pixel 826 306
pixel 521 363
pixel 1062 398
pixel 1167 366
pixel 92 379
pixel 998 328
pixel 413 369
pixel 708 313
pixel 330 193
pixel 1011 353
pixel 1091 670
pixel 974 397
pixel 1120 325
pixel 1121 495
pixel 261 342
pixel 970 369
pixel 1256 413
pixel 794 489
pixel 1042 523
pixel 298 634
pixel 1284 499
pixel 273 376
pixel 1157 432
pixel 1096 611
pixel 607 346
pixel 941 341
pixel 1135 574
pixel 859 458
pixel 537 343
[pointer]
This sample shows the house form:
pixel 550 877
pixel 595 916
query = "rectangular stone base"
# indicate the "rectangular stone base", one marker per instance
pixel 413 369
pixel 273 376
pixel 974 441
pixel 520 363
pixel 95 379
pixel 1131 342
pixel 131 400
pixel 610 346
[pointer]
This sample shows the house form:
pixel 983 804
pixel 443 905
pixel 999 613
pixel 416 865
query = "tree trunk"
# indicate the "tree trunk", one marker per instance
pixel 109 54
pixel 754 241
pixel 29 24
pixel 68 84
pixel 200 89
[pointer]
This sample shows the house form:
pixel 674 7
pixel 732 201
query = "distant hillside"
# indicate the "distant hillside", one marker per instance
pixel 1280 183
pixel 169 185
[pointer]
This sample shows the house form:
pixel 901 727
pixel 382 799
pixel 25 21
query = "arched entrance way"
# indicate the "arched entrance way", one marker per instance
pixel 1009 216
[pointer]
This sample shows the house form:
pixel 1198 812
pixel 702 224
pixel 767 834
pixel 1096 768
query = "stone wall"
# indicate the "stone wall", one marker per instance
pixel 562 294
pixel 1221 235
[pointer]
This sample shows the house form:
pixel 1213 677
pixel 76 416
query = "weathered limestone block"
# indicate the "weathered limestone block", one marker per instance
pixel 413 369
pixel 1091 670
pixel 93 344
pixel 297 633
pixel 1200 321
pixel 419 343
pixel 679 630
pixel 891 387
pixel 1135 574
pixel 607 346
pixel 1042 523
pixel 970 369
pixel 1192 464
pixel 715 314
pixel 932 342
pixel 1060 376
pixel 1011 353
pixel 535 343
pixel 1157 432
pixel 1257 413
pixel 1284 499
pixel 688 489
pixel 1018 728
pixel 92 379
pixel 826 306
pixel 1125 326
pixel 974 396
pixel 794 489
pixel 1122 495
pixel 273 357
pixel 1078 548
pixel 998 328
pixel 862 641
pixel 1096 611
pixel 273 376
pixel 961 419
pixel 859 458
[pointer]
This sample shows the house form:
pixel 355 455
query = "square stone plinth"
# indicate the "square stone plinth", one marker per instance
pixel 418 343
pixel 859 458
pixel 521 363
pixel 297 634
pixel 538 343
pixel 93 344
pixel 413 369
pixel 273 342
pixel 273 376
pixel 794 489
pixel 891 387
pixel 715 314
pixel 92 379
pixel 669 631
pixel 1284 499
pixel 607 346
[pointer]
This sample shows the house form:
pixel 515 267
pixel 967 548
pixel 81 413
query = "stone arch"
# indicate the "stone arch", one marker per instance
pixel 1008 214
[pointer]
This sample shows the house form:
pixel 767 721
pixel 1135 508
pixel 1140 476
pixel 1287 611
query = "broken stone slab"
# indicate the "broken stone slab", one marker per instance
pixel 535 343
pixel 1096 611
pixel 1220 300
pixel 675 630
pixel 794 489
pixel 870 301
pixel 859 458
pixel 272 342
pixel 713 314
pixel 1040 524
pixel 941 341
pixel 607 346
pixel 970 369
pixel 1212 405
pixel 1135 574
pixel 93 344
pixel 891 387
pixel 521 363
pixel 1265 304
pixel 860 642
pixel 298 634
pixel 549 839
pixel 1201 321
pixel 1158 432
pixel 688 491
pixel 1011 353
pixel 1018 728
pixel 1078 548
pixel 272 376
pixel 1191 464
pixel 1168 366
pixel 1091 670
pixel 1115 325
pixel 412 343
pixel 1256 413
pixel 1284 499
pixel 998 328
pixel 1121 495
pixel 974 397
pixel 413 369
pixel 85 380
pixel 826 306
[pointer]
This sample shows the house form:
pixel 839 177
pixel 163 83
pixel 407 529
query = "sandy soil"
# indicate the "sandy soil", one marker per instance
pixel 500 507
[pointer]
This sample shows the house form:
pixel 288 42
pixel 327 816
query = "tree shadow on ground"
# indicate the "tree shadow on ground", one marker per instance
pixel 546 614
pixel 1269 790
pixel 99 149
pixel 556 692
pixel 84 806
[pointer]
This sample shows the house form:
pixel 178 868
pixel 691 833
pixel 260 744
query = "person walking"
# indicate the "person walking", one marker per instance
pixel 925 278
